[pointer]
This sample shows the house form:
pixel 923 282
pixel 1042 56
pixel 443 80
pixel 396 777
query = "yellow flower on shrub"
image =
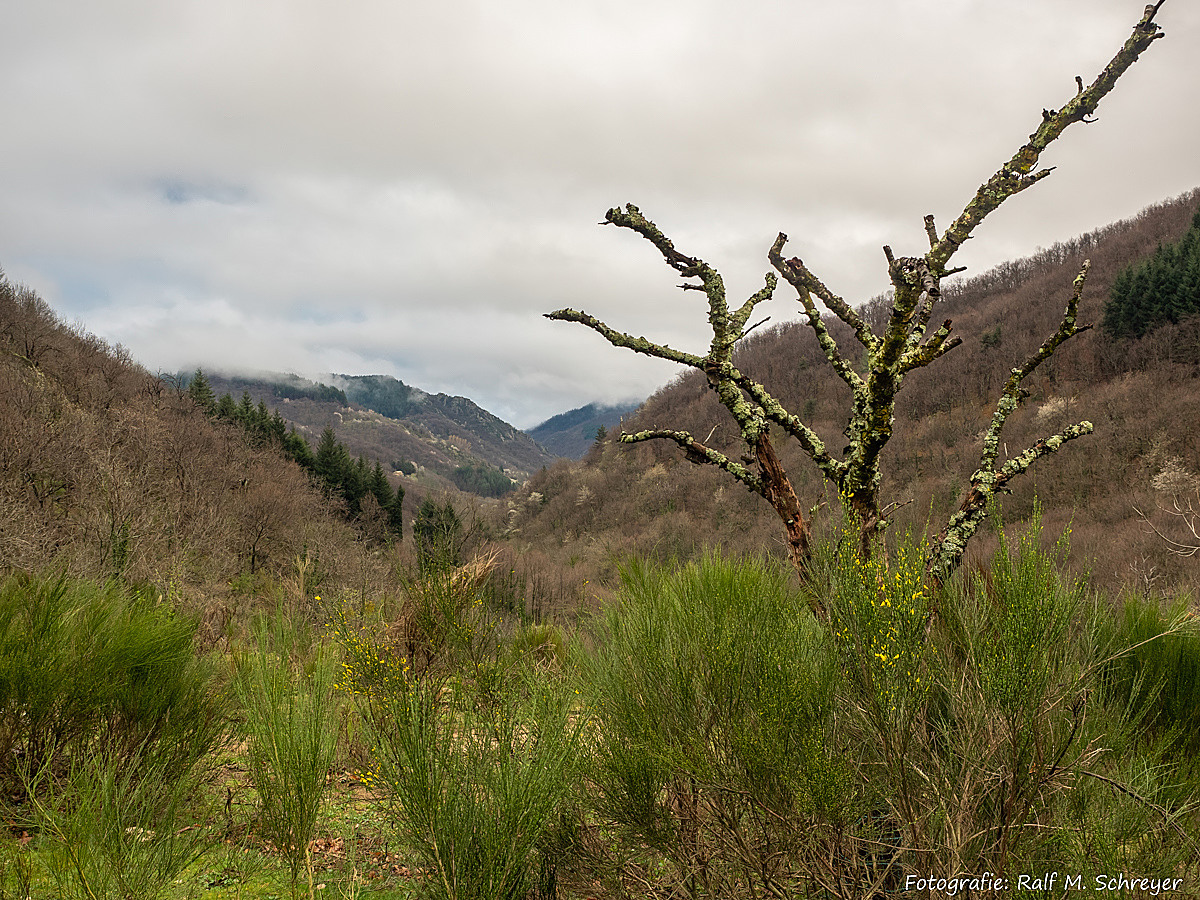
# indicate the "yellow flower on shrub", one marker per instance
pixel 369 667
pixel 879 619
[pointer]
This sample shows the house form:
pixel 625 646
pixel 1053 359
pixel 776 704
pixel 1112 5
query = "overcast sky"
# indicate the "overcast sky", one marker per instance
pixel 402 187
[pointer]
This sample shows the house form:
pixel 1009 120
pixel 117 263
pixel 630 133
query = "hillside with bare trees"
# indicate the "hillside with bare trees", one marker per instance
pixel 106 472
pixel 1141 394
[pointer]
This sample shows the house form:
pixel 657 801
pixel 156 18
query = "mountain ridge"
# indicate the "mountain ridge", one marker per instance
pixel 570 434
pixel 409 430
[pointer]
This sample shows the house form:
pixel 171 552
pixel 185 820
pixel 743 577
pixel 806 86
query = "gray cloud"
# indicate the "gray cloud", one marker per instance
pixel 405 188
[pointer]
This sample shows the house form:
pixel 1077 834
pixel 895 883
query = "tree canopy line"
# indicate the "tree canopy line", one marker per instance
pixel 332 466
pixel 1164 288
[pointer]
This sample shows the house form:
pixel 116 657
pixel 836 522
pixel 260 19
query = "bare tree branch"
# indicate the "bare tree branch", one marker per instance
pixel 937 346
pixel 987 480
pixel 731 386
pixel 801 279
pixel 771 408
pixel 807 284
pixel 756 325
pixel 698 453
pixel 628 341
pixel 1189 515
pixel 1014 176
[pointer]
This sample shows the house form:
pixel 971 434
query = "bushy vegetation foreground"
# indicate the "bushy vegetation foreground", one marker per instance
pixel 715 732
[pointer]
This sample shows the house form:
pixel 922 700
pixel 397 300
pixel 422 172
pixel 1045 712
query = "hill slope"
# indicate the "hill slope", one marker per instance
pixel 106 472
pixel 1143 397
pixel 401 426
pixel 570 434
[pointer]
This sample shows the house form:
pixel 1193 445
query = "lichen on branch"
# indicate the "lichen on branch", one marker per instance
pixel 987 481
pixel 1014 176
pixel 904 344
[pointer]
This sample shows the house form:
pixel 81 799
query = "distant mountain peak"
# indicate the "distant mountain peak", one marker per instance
pixel 571 433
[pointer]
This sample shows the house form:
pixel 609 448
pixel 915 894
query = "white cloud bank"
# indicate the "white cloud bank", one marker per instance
pixel 404 188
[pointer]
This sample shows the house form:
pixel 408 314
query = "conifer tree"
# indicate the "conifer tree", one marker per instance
pixel 296 447
pixel 391 502
pixel 226 408
pixel 378 486
pixel 1163 288
pixel 278 428
pixel 245 412
pixel 437 531
pixel 330 460
pixel 354 484
pixel 262 421
pixel 201 392
pixel 395 511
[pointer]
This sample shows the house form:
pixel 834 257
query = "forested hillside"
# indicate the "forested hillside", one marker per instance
pixel 572 433
pixel 436 440
pixel 1142 395
pixel 107 472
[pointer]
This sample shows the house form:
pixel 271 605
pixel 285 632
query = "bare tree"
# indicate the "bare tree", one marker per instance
pixel 1187 512
pixel 905 342
pixel 1180 484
